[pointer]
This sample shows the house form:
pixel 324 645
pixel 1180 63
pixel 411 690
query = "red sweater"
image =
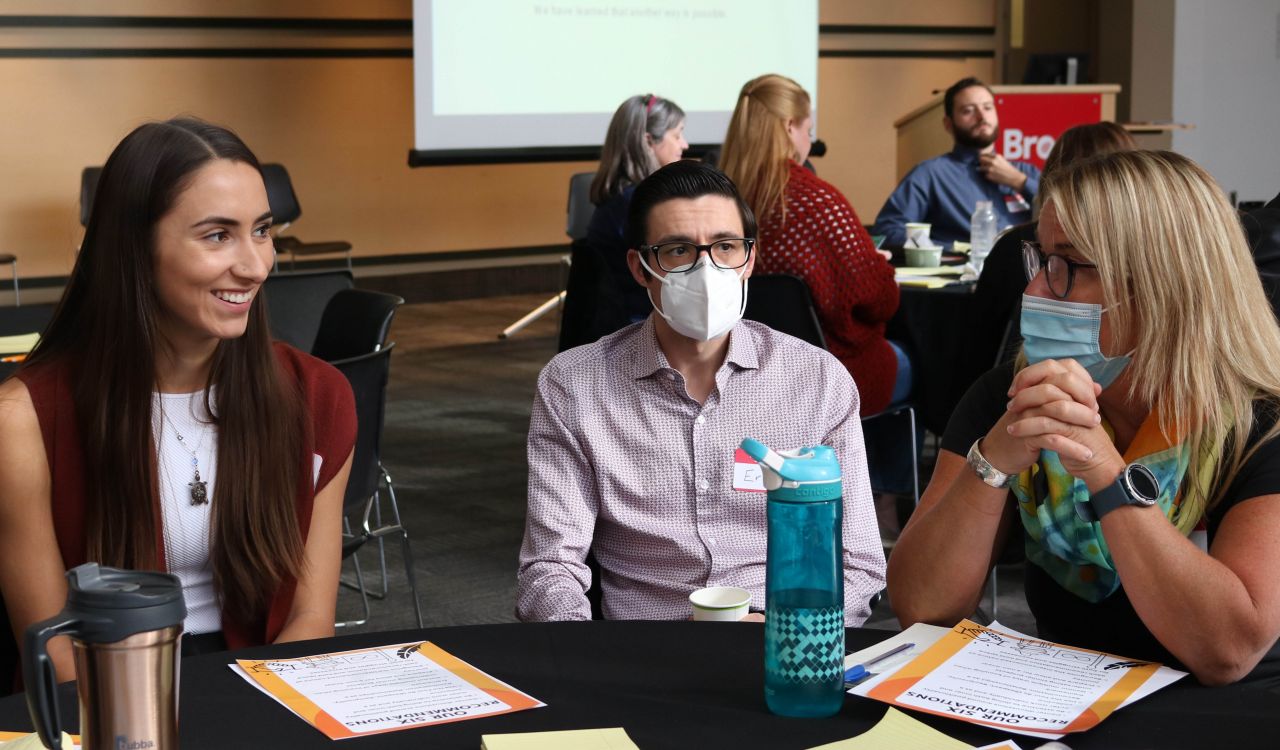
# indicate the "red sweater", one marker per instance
pixel 327 399
pixel 824 243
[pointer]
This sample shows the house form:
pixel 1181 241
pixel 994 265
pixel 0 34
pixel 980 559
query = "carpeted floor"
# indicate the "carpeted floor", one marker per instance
pixel 454 445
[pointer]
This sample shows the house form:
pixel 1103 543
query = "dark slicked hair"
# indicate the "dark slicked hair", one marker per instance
pixel 949 98
pixel 686 179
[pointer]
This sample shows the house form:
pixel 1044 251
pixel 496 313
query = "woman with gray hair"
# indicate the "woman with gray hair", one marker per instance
pixel 1133 445
pixel 646 133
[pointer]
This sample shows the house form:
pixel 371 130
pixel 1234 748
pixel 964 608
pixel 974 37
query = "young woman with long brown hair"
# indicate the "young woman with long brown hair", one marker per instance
pixel 157 426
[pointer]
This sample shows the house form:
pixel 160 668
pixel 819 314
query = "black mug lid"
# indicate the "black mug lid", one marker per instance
pixel 113 604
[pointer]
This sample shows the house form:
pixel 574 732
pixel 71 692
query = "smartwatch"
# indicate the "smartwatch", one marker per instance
pixel 989 474
pixel 1136 485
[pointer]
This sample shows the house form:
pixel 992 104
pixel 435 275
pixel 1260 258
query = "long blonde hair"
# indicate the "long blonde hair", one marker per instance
pixel 757 151
pixel 1180 284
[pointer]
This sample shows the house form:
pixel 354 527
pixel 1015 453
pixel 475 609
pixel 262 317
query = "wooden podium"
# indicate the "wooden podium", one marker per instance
pixel 1031 119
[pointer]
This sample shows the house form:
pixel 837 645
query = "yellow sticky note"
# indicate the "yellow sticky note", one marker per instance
pixel 574 739
pixel 901 732
pixel 18 344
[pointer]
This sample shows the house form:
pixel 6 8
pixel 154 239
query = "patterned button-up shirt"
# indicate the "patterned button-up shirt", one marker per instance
pixel 623 462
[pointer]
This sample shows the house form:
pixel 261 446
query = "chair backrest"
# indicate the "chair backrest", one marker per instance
pixel 296 303
pixel 280 195
pixel 88 187
pixel 580 206
pixel 355 322
pixel 368 375
pixel 593 304
pixel 782 302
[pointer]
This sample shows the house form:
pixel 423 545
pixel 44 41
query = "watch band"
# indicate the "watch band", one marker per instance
pixel 1135 485
pixel 989 474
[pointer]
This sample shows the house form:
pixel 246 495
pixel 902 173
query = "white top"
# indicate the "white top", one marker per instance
pixel 186 525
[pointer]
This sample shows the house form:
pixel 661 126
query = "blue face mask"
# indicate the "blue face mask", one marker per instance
pixel 1056 329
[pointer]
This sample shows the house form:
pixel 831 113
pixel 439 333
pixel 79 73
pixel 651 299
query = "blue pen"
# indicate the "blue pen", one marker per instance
pixel 859 672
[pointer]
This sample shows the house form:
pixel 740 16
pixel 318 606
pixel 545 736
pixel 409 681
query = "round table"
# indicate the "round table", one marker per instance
pixel 669 684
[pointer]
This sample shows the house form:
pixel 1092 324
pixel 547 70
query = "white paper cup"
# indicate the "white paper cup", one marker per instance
pixel 720 604
pixel 919 231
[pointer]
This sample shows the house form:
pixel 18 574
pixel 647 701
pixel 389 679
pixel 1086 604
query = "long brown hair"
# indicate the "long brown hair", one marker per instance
pixel 757 151
pixel 104 332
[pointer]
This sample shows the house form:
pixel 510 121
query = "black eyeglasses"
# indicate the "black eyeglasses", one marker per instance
pixel 1060 271
pixel 680 257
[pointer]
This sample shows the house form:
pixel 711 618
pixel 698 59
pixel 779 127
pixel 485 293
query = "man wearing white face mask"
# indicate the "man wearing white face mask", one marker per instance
pixel 633 439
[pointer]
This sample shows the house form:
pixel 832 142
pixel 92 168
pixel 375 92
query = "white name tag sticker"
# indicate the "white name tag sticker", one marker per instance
pixel 1016 204
pixel 747 476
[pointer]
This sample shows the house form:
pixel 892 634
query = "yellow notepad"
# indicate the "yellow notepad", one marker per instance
pixel 927 282
pixel 20 344
pixel 31 741
pixel 574 739
pixel 901 732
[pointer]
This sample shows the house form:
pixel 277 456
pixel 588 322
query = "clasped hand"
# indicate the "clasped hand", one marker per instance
pixel 1054 406
pixel 999 170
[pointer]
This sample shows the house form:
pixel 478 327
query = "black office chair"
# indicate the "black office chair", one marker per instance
pixel 355 322
pixel 593 304
pixel 581 209
pixel 783 302
pixel 88 187
pixel 285 210
pixel 368 375
pixel 296 303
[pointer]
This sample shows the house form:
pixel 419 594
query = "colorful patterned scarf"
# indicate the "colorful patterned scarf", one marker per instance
pixel 1072 550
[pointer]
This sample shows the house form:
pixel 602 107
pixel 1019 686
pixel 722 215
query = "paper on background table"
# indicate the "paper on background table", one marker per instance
pixel 925 282
pixel 614 738
pixel 899 731
pixel 912 271
pixel 20 344
pixel 384 689
pixel 954 675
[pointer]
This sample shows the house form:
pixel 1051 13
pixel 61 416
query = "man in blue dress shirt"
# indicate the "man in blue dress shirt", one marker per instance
pixel 944 190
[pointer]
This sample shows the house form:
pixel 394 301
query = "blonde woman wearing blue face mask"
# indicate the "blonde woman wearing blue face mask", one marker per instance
pixel 1134 450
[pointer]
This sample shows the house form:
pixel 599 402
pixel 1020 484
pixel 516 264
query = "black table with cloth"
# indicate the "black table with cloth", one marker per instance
pixel 669 684
pixel 937 328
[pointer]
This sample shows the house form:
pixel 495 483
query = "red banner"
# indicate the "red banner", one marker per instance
pixel 1031 123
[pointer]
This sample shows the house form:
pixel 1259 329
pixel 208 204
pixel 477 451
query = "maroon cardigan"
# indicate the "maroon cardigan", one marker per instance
pixel 824 243
pixel 328 400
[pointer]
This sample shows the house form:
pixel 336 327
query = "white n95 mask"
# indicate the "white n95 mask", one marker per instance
pixel 702 303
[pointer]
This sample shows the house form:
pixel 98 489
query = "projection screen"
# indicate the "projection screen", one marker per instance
pixel 538 80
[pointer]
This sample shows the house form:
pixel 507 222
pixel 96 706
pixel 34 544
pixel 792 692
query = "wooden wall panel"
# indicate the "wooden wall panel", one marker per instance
pixel 908 12
pixel 344 126
pixel 860 99
pixel 258 8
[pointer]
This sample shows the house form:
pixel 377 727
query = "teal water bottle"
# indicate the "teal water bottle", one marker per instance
pixel 804 581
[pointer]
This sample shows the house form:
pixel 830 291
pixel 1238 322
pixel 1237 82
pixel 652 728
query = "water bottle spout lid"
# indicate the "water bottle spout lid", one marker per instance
pixel 803 467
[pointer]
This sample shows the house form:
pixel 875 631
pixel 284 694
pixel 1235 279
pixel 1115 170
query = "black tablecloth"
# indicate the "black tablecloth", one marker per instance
pixel 670 685
pixel 937 329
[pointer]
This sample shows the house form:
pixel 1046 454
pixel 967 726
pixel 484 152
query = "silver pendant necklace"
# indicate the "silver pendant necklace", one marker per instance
pixel 199 489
